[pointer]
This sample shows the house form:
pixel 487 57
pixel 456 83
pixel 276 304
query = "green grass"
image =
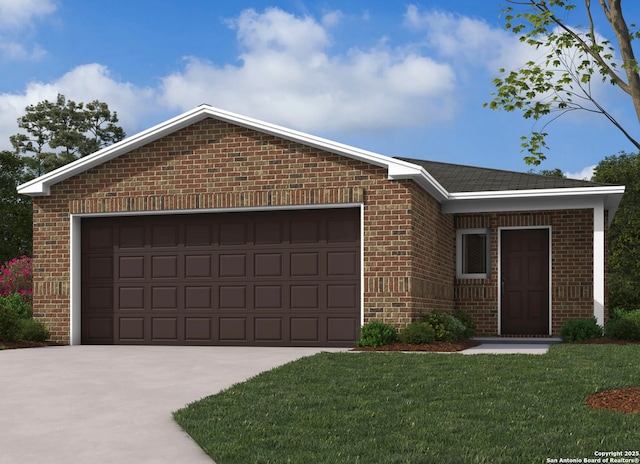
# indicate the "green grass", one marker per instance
pixel 421 408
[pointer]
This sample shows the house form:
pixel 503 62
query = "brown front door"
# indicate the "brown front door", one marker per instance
pixel 525 282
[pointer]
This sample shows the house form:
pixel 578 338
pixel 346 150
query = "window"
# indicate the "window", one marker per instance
pixel 472 253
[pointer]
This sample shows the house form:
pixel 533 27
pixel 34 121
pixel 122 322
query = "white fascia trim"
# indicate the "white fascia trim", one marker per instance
pixel 397 169
pixel 531 200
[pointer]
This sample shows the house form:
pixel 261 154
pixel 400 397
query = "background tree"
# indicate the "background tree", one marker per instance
pixel 15 210
pixel 574 55
pixel 53 134
pixel 56 133
pixel 624 233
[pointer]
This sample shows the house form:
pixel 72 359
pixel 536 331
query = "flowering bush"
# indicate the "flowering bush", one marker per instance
pixel 16 276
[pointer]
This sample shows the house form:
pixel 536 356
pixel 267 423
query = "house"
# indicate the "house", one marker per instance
pixel 215 228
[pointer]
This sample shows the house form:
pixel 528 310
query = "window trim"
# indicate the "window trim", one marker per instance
pixel 459 249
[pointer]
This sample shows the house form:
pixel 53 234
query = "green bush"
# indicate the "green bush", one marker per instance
pixel 446 327
pixel 10 324
pixel 626 326
pixel 377 333
pixel 418 333
pixel 469 325
pixel 18 304
pixel 34 331
pixel 580 329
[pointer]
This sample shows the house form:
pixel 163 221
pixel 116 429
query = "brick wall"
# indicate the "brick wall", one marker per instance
pixel 213 164
pixel 571 262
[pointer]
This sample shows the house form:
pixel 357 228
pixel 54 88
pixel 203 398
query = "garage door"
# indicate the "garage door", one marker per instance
pixel 261 278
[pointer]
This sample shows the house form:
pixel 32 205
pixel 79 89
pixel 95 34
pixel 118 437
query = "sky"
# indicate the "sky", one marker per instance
pixel 394 78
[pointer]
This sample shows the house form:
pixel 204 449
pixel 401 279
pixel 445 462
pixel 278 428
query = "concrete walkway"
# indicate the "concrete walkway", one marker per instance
pixel 113 404
pixel 512 346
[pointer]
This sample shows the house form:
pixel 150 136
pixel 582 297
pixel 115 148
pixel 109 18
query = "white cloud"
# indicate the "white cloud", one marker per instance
pixel 82 84
pixel 584 174
pixel 288 76
pixel 16 14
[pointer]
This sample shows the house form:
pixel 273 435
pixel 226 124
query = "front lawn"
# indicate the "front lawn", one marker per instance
pixel 422 408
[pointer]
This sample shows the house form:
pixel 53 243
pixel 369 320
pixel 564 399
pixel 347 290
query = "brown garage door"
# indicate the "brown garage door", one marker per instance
pixel 260 278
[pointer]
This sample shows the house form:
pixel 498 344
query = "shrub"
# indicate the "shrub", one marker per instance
pixel 10 324
pixel 377 333
pixel 418 333
pixel 446 327
pixel 624 327
pixel 16 276
pixel 469 325
pixel 34 331
pixel 580 329
pixel 18 304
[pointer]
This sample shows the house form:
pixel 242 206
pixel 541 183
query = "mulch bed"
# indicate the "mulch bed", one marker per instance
pixel 435 347
pixel 25 344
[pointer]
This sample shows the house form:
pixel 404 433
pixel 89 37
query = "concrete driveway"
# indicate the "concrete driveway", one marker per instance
pixel 113 404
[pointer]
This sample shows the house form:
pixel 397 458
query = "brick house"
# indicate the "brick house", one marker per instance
pixel 215 228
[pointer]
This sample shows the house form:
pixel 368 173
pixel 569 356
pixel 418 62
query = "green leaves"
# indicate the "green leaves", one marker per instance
pixel 56 133
pixel 560 81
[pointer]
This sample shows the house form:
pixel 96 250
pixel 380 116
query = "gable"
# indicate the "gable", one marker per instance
pixel 457 188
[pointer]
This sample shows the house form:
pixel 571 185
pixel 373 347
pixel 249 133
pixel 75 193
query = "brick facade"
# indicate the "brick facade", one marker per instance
pixel 571 266
pixel 408 244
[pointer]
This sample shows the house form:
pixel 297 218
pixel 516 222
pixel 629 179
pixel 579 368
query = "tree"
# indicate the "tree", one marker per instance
pixel 573 57
pixel 15 210
pixel 59 132
pixel 557 172
pixel 55 133
pixel 624 233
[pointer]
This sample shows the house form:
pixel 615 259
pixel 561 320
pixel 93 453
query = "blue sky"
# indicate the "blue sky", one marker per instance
pixel 399 79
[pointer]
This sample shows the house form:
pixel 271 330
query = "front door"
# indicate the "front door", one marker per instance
pixel 525 282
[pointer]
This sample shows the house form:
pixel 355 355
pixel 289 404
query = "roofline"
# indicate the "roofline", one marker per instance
pixel 397 169
pixel 571 191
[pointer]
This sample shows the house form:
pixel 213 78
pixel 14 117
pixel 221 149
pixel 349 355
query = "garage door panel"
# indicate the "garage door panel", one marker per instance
pixel 342 296
pixel 198 235
pixel 164 267
pixel 198 266
pixel 268 233
pixel 305 329
pixel 341 329
pixel 164 329
pixel 232 297
pixel 268 297
pixel 232 265
pixel 304 297
pixel 305 264
pixel 131 267
pixel 342 263
pixel 163 236
pixel 266 278
pixel 131 298
pixel 198 298
pixel 131 328
pixel 268 265
pixel 99 268
pixel 98 328
pixel 304 231
pixel 98 298
pixel 233 234
pixel 267 329
pixel 164 297
pixel 132 237
pixel 232 329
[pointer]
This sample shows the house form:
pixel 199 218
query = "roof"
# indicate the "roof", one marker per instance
pixel 457 188
pixel 461 178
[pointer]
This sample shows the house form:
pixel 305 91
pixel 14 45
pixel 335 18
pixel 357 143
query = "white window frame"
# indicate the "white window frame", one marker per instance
pixel 459 250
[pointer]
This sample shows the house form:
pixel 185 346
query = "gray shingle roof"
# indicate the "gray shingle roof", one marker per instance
pixel 460 178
